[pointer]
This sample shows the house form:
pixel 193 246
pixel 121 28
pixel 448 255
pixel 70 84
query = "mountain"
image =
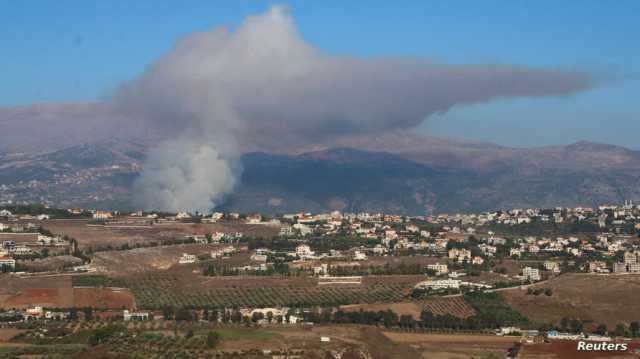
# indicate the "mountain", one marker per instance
pixel 401 174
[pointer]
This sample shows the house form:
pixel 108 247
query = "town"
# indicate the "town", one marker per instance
pixel 454 272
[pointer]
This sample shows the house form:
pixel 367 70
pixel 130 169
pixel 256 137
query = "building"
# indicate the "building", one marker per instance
pixel 439 284
pixel 440 269
pixel 7 262
pixel 304 251
pixel 552 266
pixel 359 256
pixel 102 215
pixel 187 258
pixel 460 254
pixel 619 268
pixel 634 267
pixel 532 274
pixel 477 260
pixel 127 315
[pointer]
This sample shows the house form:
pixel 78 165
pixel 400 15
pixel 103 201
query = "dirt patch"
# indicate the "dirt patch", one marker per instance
pixel 402 308
pixel 104 298
pixel 601 299
pixel 50 291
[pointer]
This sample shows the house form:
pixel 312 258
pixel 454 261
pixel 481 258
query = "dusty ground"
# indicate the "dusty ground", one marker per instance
pixel 154 258
pixel 57 291
pixel 600 299
pixel 102 236
pixel 103 298
pixel 450 346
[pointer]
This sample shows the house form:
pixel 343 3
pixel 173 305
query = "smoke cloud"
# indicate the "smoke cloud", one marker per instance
pixel 218 90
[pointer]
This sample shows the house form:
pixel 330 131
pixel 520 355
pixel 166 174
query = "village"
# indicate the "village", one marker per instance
pixel 312 269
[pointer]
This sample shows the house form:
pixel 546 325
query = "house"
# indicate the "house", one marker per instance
pixel 254 218
pixel 630 257
pixel 322 269
pixel 183 215
pixel 634 268
pixel 598 267
pixel 440 269
pixel 102 215
pixel 515 252
pixel 5 213
pixel 21 250
pixel 532 274
pixel 460 254
pixel 552 266
pixel 187 258
pixel 7 262
pixel 619 267
pixel 304 251
pixel 359 256
pixel 477 260
pixel 127 315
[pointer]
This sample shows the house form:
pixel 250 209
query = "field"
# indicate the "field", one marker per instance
pixel 153 290
pixel 592 298
pixel 96 236
pixel 454 346
pixel 455 306
pixel 58 292
pixel 150 258
pixel 103 298
pixel 51 291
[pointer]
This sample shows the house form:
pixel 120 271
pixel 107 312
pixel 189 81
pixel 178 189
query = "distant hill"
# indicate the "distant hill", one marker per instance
pixel 401 174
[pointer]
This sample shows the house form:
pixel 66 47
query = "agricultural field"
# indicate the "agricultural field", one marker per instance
pixel 103 298
pixel 609 299
pixel 454 346
pixel 49 291
pixel 59 292
pixel 157 289
pixel 455 306
pixel 98 236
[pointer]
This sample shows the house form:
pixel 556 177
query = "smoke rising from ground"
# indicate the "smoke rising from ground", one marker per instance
pixel 263 84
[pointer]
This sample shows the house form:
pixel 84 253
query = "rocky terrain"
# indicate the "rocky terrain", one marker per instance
pixel 397 173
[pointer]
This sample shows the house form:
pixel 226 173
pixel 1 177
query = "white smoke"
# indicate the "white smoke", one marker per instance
pixel 218 90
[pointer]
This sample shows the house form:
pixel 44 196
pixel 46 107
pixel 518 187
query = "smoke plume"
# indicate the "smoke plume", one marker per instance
pixel 262 84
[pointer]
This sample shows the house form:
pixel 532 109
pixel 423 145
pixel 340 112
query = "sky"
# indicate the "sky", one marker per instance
pixel 71 51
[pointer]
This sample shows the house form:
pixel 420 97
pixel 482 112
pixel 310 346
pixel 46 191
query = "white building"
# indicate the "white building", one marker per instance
pixel 439 284
pixel 532 274
pixel 187 258
pixel 440 269
pixel 359 256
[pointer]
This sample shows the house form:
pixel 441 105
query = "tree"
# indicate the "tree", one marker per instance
pixel 212 339
pixel 548 292
pixel 257 316
pixel 88 313
pixel 168 312
pixel 601 329
pixel 634 327
pixel 269 316
pixel 620 330
pixel 189 334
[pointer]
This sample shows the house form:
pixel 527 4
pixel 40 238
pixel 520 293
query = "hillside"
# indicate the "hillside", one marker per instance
pixel 396 174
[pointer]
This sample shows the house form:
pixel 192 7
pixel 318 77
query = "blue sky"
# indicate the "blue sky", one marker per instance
pixel 81 50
